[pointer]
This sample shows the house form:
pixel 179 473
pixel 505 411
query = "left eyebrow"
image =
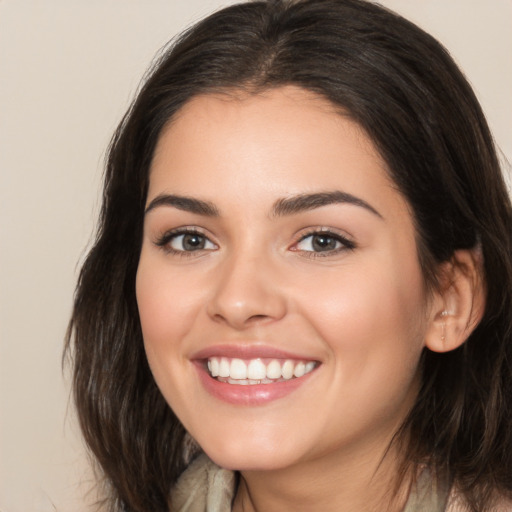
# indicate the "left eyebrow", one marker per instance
pixel 187 204
pixel 305 202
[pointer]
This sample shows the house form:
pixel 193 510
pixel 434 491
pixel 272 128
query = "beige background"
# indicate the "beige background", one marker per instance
pixel 67 72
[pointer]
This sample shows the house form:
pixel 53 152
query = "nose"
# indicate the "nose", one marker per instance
pixel 247 293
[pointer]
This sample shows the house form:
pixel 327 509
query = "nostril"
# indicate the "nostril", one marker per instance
pixel 244 306
pixel 257 318
pixel 241 322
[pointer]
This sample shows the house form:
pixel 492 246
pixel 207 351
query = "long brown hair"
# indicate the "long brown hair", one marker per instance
pixel 403 88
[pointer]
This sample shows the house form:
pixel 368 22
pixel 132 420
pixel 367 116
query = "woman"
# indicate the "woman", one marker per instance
pixel 302 275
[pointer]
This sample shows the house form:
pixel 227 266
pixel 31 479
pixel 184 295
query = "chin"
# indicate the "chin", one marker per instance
pixel 253 457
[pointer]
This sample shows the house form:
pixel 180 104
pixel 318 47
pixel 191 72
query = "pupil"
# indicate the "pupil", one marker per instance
pixel 193 242
pixel 324 243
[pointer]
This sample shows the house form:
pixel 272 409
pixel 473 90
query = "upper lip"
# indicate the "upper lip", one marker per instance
pixel 248 351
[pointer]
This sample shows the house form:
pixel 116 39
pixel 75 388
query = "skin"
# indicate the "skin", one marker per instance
pixel 360 312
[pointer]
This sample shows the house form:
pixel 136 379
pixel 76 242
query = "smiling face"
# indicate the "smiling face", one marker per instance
pixel 280 295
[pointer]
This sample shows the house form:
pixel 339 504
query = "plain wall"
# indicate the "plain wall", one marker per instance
pixel 68 70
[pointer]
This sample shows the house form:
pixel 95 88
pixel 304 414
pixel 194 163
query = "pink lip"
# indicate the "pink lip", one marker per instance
pixel 249 351
pixel 255 394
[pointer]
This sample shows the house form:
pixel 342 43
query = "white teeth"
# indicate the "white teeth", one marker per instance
pixel 238 371
pixel 224 368
pixel 273 370
pixel 287 370
pixel 256 370
pixel 213 366
pixel 300 370
pixel 243 382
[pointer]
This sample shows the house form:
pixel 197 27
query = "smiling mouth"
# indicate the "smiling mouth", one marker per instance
pixel 257 371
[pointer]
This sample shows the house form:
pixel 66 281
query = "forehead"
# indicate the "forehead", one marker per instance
pixel 276 143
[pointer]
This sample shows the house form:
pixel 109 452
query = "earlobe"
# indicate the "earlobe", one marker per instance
pixel 459 302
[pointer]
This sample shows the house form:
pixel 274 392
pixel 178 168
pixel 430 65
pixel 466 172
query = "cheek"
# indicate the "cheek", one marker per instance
pixel 371 318
pixel 153 300
pixel 167 307
pixel 166 302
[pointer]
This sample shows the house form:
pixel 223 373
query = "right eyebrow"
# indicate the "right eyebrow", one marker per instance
pixel 304 202
pixel 187 204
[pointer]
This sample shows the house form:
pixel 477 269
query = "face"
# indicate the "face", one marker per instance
pixel 281 300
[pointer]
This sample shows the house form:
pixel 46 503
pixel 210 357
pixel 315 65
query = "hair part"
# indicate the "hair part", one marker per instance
pixel 405 91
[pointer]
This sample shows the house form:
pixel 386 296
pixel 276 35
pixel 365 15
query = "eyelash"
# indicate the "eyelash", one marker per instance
pixel 165 240
pixel 346 244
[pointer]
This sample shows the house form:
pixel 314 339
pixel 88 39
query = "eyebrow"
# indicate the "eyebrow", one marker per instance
pixel 187 204
pixel 282 207
pixel 305 202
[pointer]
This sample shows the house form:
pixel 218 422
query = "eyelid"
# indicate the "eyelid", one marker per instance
pixel 346 241
pixel 163 240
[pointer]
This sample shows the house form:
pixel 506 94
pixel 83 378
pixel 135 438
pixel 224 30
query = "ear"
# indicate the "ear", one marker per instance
pixel 459 302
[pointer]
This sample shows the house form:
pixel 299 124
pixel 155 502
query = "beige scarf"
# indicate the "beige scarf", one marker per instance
pixel 205 487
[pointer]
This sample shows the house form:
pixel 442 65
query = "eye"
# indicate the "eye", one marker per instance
pixel 184 241
pixel 323 242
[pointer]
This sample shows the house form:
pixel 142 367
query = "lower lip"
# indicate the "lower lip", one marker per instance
pixel 251 394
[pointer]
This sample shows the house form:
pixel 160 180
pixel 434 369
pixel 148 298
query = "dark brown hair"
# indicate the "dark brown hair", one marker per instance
pixel 403 88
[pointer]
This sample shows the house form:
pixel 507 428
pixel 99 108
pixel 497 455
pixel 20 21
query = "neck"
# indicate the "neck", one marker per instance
pixel 361 483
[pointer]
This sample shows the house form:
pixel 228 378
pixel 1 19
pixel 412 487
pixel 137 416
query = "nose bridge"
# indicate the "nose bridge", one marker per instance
pixel 246 289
